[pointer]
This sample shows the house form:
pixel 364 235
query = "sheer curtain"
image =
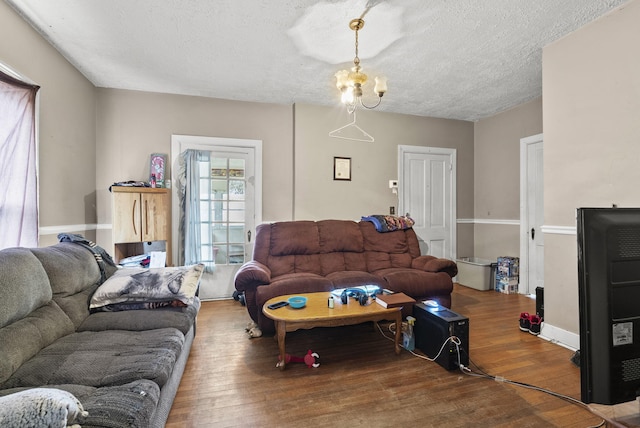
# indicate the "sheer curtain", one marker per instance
pixel 18 163
pixel 190 251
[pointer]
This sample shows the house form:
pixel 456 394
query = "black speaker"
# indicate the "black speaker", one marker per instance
pixel 360 295
pixel 540 301
pixel 433 326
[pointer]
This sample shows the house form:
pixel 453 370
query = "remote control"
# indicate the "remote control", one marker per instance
pixel 277 305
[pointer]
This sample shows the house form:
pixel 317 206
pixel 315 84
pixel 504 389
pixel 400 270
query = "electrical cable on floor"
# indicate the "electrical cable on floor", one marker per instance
pixel 482 374
pixel 452 339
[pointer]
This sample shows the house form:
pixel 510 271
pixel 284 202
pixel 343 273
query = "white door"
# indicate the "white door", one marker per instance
pixel 426 192
pixel 230 207
pixel 532 214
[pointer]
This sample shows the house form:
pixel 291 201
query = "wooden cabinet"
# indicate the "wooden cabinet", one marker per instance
pixel 140 215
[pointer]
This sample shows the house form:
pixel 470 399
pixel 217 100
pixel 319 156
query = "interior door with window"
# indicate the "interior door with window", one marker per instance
pixel 228 207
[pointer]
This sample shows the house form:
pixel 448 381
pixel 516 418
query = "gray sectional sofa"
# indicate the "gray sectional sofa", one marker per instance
pixel 124 367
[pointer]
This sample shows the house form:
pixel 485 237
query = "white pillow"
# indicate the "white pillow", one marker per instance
pixel 46 407
pixel 129 285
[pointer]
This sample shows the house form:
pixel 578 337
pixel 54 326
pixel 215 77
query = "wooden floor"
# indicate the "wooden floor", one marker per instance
pixel 231 380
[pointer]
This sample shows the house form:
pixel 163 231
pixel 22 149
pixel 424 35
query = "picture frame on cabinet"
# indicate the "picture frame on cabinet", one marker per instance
pixel 157 168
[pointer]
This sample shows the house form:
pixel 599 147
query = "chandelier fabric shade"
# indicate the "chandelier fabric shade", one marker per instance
pixel 350 82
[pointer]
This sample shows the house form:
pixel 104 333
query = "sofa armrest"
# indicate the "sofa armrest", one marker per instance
pixel 251 275
pixel 434 264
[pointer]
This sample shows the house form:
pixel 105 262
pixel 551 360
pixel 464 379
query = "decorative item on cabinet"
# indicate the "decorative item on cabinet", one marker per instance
pixel 157 169
pixel 140 215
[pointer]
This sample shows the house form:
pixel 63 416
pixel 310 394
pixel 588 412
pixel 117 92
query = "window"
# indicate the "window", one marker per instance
pixel 223 210
pixel 215 209
pixel 18 162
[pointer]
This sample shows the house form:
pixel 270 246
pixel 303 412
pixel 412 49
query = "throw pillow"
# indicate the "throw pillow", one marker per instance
pixel 129 285
pixel 40 407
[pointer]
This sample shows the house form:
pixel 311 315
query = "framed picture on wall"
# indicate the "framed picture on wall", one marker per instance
pixel 342 168
pixel 157 168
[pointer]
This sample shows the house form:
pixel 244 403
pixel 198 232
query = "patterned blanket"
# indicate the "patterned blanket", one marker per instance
pixel 102 257
pixel 389 223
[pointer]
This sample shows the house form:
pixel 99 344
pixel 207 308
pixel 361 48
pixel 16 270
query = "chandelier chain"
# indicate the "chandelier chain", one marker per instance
pixel 356 60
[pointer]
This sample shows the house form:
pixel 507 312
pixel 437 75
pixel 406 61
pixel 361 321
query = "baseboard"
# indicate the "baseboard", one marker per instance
pixel 54 230
pixel 560 336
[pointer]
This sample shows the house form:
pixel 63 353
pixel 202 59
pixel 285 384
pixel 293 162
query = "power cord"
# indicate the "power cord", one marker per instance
pixel 482 374
pixel 467 370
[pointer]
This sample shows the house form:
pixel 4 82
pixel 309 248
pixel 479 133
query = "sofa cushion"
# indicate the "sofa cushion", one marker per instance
pixel 293 284
pixel 74 275
pixel 337 262
pixel 26 337
pixel 434 264
pixel 339 236
pixel 411 282
pixel 346 279
pixel 103 358
pixel 389 242
pixel 70 268
pixel 294 237
pixel 149 285
pixel 378 260
pixel 128 405
pixel 24 285
pixel 145 319
pixel 299 263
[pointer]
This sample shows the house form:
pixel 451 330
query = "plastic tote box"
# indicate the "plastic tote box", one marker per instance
pixel 476 273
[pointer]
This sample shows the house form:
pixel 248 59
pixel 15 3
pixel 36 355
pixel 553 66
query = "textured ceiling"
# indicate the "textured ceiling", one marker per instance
pixel 459 59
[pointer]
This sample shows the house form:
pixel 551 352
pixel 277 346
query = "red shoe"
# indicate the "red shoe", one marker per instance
pixel 536 323
pixel 525 321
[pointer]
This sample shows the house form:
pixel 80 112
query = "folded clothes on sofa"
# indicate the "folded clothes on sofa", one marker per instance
pixel 389 223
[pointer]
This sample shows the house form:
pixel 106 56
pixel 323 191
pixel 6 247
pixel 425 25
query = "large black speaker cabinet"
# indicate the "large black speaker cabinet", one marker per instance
pixel 609 303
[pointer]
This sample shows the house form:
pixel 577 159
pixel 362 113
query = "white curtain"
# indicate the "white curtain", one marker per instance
pixel 18 179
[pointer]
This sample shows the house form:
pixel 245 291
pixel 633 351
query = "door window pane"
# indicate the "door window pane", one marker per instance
pixel 223 209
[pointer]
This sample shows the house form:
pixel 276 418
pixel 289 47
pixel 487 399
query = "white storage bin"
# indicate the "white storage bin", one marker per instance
pixel 476 273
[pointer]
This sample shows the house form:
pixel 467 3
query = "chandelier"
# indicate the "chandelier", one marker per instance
pixel 350 82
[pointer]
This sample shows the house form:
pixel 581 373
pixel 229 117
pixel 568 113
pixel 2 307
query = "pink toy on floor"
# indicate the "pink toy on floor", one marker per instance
pixel 311 359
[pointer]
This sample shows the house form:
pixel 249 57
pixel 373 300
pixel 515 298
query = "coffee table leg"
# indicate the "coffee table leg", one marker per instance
pixel 281 331
pixel 398 331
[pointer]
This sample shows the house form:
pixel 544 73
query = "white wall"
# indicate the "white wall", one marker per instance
pixel 132 125
pixel 497 178
pixel 67 140
pixel 318 196
pixel 591 103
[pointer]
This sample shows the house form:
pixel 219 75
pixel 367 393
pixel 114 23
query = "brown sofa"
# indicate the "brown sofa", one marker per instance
pixel 307 256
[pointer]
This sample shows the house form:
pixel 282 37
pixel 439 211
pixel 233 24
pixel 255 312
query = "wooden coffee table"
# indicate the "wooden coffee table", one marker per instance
pixel 317 314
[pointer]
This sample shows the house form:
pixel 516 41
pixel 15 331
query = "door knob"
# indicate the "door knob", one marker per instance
pixel 533 233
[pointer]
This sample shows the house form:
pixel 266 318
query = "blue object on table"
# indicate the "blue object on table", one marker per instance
pixel 297 302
